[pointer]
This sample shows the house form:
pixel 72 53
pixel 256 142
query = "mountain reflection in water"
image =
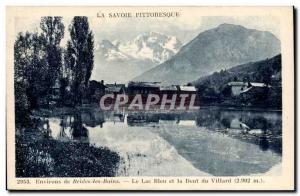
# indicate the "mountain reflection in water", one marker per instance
pixel 213 141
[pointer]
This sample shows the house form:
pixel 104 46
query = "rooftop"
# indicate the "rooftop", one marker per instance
pixel 256 84
pixel 168 88
pixel 144 84
pixel 237 83
pixel 115 88
pixel 187 88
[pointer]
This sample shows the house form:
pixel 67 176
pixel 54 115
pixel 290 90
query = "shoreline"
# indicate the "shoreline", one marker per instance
pixel 69 110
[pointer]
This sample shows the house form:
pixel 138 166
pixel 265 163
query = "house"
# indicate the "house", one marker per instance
pixel 168 89
pixel 190 91
pixel 239 88
pixel 187 89
pixel 96 90
pixel 143 88
pixel 115 89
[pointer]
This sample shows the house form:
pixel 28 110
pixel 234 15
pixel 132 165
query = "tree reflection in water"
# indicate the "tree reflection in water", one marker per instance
pixel 78 131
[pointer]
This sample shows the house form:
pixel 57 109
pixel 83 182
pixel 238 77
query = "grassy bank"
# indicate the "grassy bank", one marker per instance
pixel 41 156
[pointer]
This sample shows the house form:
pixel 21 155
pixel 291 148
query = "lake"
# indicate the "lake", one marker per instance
pixel 210 141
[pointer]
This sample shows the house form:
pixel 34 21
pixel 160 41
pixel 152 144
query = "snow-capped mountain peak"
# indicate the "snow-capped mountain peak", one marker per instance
pixel 150 46
pixel 154 46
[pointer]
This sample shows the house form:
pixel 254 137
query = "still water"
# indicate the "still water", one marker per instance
pixel 210 141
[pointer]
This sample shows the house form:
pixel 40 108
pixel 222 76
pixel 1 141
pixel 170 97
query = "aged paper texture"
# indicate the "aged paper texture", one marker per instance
pixel 150 98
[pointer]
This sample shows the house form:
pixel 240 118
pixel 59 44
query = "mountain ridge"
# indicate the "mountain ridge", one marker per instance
pixel 212 50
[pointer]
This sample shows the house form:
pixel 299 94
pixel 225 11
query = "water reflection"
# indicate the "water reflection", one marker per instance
pixel 212 140
pixel 258 127
pixel 78 131
pixel 71 127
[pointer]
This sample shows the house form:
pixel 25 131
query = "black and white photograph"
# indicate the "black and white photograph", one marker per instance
pixel 148 94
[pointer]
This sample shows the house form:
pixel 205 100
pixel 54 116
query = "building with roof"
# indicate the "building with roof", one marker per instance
pixel 168 89
pixel 115 88
pixel 187 89
pixel 238 88
pixel 96 90
pixel 143 88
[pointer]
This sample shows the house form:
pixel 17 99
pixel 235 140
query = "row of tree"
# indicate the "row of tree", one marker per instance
pixel 41 63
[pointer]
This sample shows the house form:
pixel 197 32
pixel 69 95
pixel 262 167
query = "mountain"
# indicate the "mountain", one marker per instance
pixel 219 48
pixel 121 61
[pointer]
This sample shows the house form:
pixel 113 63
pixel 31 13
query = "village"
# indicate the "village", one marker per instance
pixel 168 97
pixel 143 93
pixel 182 96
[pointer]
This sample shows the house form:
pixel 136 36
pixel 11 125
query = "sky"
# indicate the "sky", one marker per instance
pixel 184 28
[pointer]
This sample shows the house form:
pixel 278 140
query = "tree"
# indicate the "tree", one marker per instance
pixel 22 58
pixel 89 58
pixel 80 56
pixel 53 32
pixel 30 68
pixel 227 92
pixel 266 74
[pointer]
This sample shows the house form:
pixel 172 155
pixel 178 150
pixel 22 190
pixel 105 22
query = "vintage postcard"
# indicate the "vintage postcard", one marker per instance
pixel 150 98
